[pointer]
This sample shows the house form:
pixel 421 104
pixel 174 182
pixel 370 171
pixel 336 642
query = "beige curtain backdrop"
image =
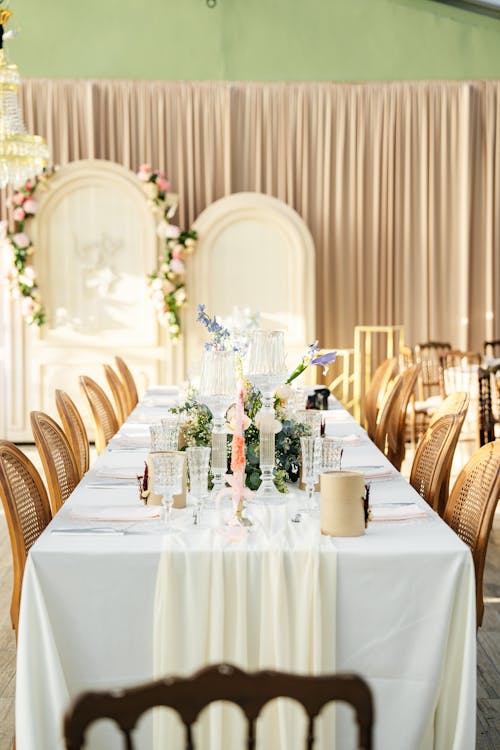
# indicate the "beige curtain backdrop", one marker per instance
pixel 399 183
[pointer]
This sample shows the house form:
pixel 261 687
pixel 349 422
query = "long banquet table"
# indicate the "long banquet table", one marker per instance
pixel 114 604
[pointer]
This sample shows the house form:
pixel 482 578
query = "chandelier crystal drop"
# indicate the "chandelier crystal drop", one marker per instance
pixel 22 156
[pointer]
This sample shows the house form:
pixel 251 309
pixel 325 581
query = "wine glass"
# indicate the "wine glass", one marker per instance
pixel 218 392
pixel 168 472
pixel 198 464
pixel 266 370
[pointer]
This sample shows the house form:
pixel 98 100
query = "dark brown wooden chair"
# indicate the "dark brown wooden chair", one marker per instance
pixel 491 348
pixel 486 415
pixel 471 508
pixel 59 463
pixel 27 511
pixel 221 682
pixel 128 380
pixel 74 429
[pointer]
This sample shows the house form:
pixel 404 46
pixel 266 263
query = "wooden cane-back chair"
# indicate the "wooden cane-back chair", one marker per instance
pixel 74 429
pixel 129 381
pixel 471 507
pixel 58 461
pixel 433 458
pixel 396 421
pixel 458 358
pixel 119 392
pixel 27 511
pixel 188 696
pixel 389 404
pixel 101 412
pixel 429 355
pixel 375 393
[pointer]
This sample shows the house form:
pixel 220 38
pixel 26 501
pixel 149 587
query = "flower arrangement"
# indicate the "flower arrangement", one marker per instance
pixel 21 275
pixel 166 284
pixel 197 418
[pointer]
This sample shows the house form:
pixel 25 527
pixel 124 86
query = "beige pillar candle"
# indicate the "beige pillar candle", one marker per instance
pixel 155 499
pixel 342 507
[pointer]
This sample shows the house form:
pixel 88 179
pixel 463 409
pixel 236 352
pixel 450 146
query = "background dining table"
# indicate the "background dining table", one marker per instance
pixel 109 599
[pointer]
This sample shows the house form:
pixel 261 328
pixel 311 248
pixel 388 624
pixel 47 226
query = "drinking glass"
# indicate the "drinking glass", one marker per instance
pixel 168 471
pixel 170 426
pixel 158 442
pixel 311 452
pixel 266 370
pixel 312 418
pixel 331 454
pixel 198 463
pixel 218 392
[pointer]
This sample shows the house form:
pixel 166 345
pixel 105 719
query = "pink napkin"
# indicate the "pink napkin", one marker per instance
pixel 397 512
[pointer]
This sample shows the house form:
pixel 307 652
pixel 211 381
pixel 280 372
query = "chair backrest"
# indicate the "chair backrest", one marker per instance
pixel 491 348
pixel 74 429
pixel 387 408
pixel 458 358
pixel 101 412
pixel 433 458
pixel 486 416
pixel 429 355
pixel 471 507
pixel 58 461
pixel 222 682
pixel 396 424
pixel 119 392
pixel 27 511
pixel 375 393
pixel 129 382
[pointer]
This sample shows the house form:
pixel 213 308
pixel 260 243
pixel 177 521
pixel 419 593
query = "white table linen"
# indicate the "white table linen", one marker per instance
pixel 101 610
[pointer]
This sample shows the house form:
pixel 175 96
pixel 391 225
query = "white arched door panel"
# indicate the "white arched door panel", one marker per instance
pixel 253 251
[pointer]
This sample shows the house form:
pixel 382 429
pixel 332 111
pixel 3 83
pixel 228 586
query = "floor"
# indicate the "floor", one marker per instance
pixel 488 668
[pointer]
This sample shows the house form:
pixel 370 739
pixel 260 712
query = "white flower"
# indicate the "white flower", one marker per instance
pixel 266 419
pixel 172 231
pixel 157 284
pixel 190 242
pixel 161 229
pixel 151 190
pixel 30 206
pixel 177 266
pixel 180 296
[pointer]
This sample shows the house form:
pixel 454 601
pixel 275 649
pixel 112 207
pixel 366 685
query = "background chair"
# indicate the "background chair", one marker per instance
pixel 119 392
pixel 433 459
pixel 129 381
pixel 389 404
pixel 74 429
pixel 491 348
pixel 222 682
pixel 375 393
pixel 471 507
pixel 396 419
pixel 101 412
pixel 59 464
pixel 489 396
pixel 430 388
pixel 27 511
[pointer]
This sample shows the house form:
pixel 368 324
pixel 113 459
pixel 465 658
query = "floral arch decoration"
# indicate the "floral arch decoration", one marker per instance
pixel 166 284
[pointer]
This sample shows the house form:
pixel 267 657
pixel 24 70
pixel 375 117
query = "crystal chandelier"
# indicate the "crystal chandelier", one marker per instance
pixel 22 156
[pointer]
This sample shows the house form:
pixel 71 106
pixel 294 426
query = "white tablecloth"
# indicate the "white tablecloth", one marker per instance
pixel 396 605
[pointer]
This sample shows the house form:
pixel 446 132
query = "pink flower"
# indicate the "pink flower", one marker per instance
pixel 18 199
pixel 177 266
pixel 163 184
pixel 27 305
pixel 177 252
pixel 21 240
pixel 144 172
pixel 19 214
pixel 172 232
pixel 31 206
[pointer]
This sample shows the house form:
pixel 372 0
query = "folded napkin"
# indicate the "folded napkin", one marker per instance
pixel 162 390
pixel 130 441
pixel 346 439
pixel 119 472
pixel 125 513
pixel 397 512
pixel 372 472
pixel 149 416
pixel 158 401
pixel 337 415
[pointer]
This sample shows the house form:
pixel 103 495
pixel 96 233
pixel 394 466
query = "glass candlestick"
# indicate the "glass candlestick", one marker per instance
pixel 267 370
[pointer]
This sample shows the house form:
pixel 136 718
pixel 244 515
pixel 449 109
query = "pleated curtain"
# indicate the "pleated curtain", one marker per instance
pixel 399 182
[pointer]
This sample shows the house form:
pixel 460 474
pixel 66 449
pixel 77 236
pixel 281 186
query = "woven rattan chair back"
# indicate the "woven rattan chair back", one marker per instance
pixel 129 381
pixel 433 458
pixel 74 429
pixel 386 409
pixel 491 349
pixel 188 696
pixel 27 511
pixel 119 392
pixel 396 420
pixel 375 393
pixel 429 356
pixel 101 412
pixel 58 461
pixel 471 507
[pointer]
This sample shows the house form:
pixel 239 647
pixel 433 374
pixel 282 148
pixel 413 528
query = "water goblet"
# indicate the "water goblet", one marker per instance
pixel 331 454
pixel 168 472
pixel 198 464
pixel 311 453
pixel 170 426
pixel 312 418
pixel 157 438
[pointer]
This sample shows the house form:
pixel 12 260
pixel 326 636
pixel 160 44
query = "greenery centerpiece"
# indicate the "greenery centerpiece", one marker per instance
pixel 197 419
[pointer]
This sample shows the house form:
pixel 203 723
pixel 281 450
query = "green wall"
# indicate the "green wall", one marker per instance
pixel 264 40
